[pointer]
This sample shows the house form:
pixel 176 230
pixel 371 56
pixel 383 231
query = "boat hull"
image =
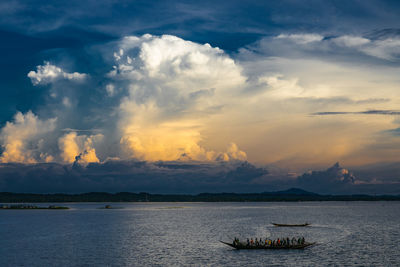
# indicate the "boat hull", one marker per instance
pixel 290 225
pixel 241 246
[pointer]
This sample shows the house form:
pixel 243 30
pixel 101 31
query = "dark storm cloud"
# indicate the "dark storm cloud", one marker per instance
pixel 132 176
pixel 378 179
pixel 367 112
pixel 334 179
pixel 190 177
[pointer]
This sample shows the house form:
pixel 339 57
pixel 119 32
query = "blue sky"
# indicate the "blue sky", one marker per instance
pixel 285 85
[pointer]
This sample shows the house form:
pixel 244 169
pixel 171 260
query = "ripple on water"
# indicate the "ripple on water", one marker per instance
pixel 171 234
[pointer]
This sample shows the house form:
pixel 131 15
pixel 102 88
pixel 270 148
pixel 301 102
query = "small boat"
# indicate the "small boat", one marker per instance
pixel 244 246
pixel 291 225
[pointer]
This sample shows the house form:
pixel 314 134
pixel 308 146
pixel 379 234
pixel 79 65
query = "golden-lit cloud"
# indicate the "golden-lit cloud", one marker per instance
pixel 165 98
pixel 174 86
pixel 22 140
pixel 78 149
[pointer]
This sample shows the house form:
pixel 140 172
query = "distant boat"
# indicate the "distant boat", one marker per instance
pixel 244 246
pixel 291 225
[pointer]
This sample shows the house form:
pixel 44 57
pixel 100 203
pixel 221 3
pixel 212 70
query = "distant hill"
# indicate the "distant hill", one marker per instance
pixel 293 191
pixel 293 194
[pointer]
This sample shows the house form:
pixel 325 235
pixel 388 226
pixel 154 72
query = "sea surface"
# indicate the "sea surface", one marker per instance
pixel 188 234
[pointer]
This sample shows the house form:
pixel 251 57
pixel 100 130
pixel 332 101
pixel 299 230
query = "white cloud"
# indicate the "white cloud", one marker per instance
pixel 110 88
pixel 164 90
pixel 388 49
pixel 48 73
pixel 301 38
pixel 173 85
pixel 66 102
pixel 383 48
pixel 351 41
pixel 165 98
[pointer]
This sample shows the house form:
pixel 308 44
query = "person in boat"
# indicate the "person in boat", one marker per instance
pixel 278 242
pixel 302 240
pixel 248 242
pixel 299 241
pixel 251 242
pixel 293 241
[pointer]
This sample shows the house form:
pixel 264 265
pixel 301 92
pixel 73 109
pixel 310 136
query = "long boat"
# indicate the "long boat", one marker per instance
pixel 291 225
pixel 244 246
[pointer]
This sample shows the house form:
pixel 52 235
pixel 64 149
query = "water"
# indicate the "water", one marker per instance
pixel 187 234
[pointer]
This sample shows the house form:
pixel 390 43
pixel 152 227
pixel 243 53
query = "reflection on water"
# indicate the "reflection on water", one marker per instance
pixel 142 234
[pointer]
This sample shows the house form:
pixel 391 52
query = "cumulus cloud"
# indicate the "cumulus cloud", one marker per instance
pixel 48 73
pixel 162 91
pixel 23 139
pixel 78 149
pixel 334 179
pixel 172 85
pixel 232 153
pixel 164 98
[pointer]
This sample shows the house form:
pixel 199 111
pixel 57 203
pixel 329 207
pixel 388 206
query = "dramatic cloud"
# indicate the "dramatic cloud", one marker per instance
pixel 78 149
pixel 162 98
pixel 161 90
pixel 133 176
pixel 172 85
pixel 334 179
pixel 24 139
pixel 187 177
pixel 292 77
pixel 48 73
pixel 259 88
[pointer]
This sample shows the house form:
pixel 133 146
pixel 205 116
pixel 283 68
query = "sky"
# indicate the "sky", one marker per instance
pixel 189 96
